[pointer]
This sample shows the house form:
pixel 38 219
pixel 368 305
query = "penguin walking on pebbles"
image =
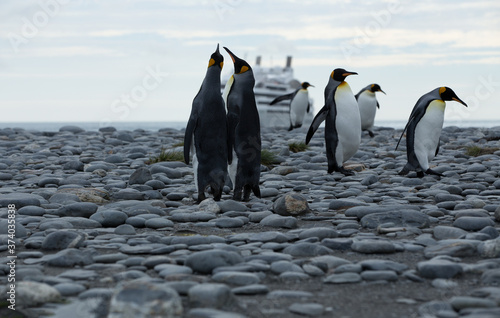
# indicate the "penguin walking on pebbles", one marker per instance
pixel 343 122
pixel 244 130
pixel 368 104
pixel 424 129
pixel 299 105
pixel 206 133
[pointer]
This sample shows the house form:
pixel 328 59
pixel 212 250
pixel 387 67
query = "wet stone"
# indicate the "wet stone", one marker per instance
pixel 275 220
pixel 62 239
pixel 236 278
pixel 387 275
pixel 438 268
pixel 205 261
pixel 373 247
pixel 109 218
pixel 473 223
pixel 210 295
pixel 343 278
pixel 252 289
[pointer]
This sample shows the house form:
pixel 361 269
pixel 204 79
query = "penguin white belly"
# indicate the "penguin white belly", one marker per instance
pixel 347 122
pixel 367 108
pixel 195 163
pixel 233 167
pixel 427 133
pixel 298 107
pixel 227 89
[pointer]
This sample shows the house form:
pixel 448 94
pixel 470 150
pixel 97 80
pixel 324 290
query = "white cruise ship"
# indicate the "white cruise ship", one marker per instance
pixel 271 82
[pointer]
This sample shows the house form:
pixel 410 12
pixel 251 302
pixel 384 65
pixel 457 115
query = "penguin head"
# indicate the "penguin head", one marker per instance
pixel 447 93
pixel 240 66
pixel 376 88
pixel 216 59
pixel 339 74
pixel 306 85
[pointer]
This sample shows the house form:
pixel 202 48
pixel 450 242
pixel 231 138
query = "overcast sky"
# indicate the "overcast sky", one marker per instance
pixel 131 60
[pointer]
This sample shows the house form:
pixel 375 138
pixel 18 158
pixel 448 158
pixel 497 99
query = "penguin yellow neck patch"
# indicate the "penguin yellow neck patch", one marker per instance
pixel 221 64
pixel 243 69
pixel 211 62
pixel 437 105
pixel 442 90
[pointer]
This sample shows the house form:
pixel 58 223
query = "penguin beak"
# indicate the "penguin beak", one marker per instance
pixel 459 100
pixel 230 53
pixel 217 48
pixel 380 90
pixel 349 73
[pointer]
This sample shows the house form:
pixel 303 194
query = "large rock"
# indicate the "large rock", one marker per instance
pixel 142 299
pixel 291 204
pixel 32 294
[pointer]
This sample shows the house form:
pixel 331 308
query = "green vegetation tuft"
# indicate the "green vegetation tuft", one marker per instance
pixel 297 146
pixel 475 151
pixel 179 144
pixel 267 158
pixel 167 155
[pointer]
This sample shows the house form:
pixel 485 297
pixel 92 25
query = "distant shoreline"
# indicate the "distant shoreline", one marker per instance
pixel 155 126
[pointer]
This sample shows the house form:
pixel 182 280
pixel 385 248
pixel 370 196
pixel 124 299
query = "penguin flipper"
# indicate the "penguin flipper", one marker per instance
pixel 437 149
pixel 232 122
pixel 308 107
pixel 402 134
pixel 188 137
pixel 282 97
pixel 416 114
pixel 229 142
pixel 318 119
pixel 378 105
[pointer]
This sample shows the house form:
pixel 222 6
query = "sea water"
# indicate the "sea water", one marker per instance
pixel 155 126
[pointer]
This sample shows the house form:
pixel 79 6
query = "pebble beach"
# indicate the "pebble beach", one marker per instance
pixel 102 231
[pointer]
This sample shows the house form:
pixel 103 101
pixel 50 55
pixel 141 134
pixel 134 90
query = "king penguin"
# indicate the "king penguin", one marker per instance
pixel 424 129
pixel 299 105
pixel 206 133
pixel 368 105
pixel 343 123
pixel 244 130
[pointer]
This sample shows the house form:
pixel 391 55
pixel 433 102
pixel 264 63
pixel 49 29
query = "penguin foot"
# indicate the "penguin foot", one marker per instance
pixel 201 197
pixel 371 133
pixel 237 195
pixel 420 174
pixel 346 172
pixel 430 171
